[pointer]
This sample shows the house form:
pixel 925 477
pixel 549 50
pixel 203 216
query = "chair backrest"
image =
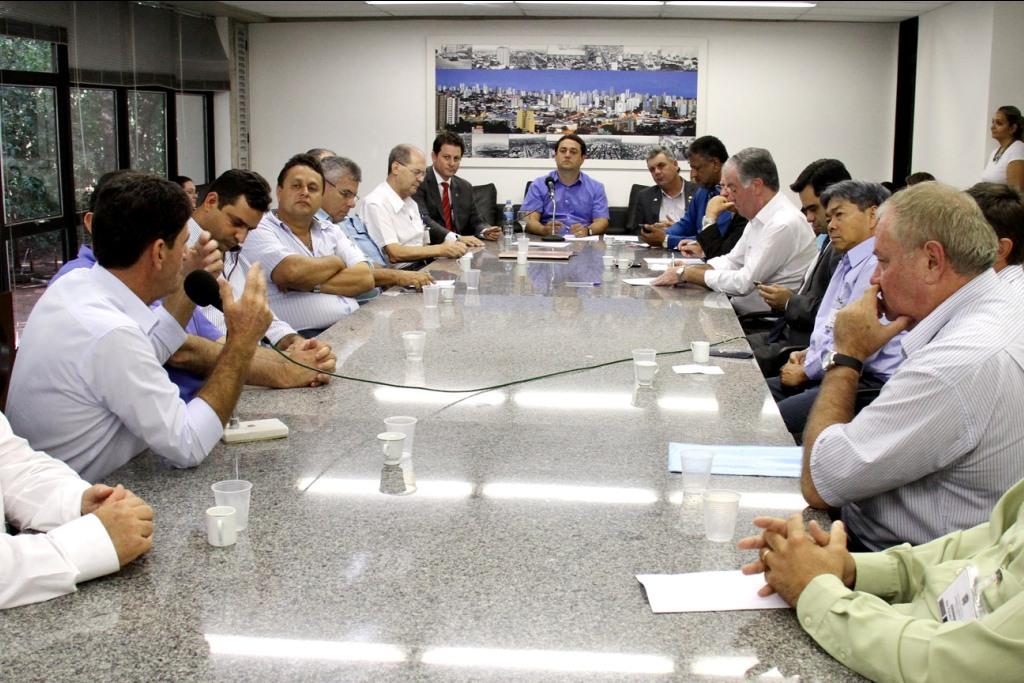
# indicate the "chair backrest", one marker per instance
pixel 486 199
pixel 632 226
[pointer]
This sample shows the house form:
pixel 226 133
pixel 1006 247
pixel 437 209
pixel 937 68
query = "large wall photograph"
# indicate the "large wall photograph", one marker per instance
pixel 514 101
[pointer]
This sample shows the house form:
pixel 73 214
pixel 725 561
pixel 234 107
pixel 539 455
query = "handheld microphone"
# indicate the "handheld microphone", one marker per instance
pixel 203 290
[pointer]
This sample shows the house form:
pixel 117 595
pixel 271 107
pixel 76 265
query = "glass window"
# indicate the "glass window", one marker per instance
pixel 26 54
pixel 147 131
pixel 28 153
pixel 191 117
pixel 94 134
pixel 34 260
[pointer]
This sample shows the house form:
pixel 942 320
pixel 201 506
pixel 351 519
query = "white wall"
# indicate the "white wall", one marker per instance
pixel 951 112
pixel 1006 81
pixel 803 90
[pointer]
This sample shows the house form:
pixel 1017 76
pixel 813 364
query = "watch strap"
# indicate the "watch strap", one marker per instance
pixel 842 360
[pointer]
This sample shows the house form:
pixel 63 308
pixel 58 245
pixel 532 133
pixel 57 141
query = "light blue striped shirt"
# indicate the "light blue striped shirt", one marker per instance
pixel 945 437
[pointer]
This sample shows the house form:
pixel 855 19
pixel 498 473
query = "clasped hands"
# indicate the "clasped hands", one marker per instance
pixel 791 556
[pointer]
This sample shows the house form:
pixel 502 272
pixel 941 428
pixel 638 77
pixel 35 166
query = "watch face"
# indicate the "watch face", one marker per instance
pixel 826 359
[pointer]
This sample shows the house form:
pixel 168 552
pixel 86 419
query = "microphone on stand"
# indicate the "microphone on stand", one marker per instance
pixel 550 182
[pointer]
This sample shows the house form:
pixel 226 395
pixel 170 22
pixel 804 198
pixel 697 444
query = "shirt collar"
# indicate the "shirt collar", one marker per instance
pixel 854 257
pixel 322 215
pixel 774 205
pixel 554 174
pixel 391 197
pixel 439 178
pixel 926 329
pixel 194 229
pixel 682 188
pixel 1013 273
pixel 130 303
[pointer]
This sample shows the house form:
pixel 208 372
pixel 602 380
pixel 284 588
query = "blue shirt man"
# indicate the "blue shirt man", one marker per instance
pixel 188 383
pixel 356 231
pixel 581 205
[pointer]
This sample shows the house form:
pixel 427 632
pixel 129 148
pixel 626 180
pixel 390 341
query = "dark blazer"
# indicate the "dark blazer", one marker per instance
pixel 793 330
pixel 648 205
pixel 466 220
pixel 714 243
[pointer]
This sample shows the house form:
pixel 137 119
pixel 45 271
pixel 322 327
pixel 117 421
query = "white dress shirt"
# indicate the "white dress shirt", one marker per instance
pixel 391 219
pixel 672 208
pixel 236 268
pixel 273 241
pixel 88 388
pixel 776 248
pixel 43 494
pixel 943 440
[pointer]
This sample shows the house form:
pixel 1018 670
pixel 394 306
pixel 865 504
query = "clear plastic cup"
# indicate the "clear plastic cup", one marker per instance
pixel 608 260
pixel 473 279
pixel 465 262
pixel 696 464
pixel 235 493
pixel 720 509
pixel 645 366
pixel 431 293
pixel 392 444
pixel 414 342
pixel 624 262
pixel 402 424
pixel 447 291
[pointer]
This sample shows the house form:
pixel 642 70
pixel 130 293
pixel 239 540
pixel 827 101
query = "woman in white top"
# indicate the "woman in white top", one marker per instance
pixel 1007 164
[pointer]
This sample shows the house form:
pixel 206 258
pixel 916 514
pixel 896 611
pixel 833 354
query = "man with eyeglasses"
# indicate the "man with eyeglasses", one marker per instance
pixel 343 177
pixel 393 217
pixel 315 270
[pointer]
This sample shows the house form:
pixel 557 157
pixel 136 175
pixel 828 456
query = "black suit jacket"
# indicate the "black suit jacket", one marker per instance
pixel 648 205
pixel 714 243
pixel 466 220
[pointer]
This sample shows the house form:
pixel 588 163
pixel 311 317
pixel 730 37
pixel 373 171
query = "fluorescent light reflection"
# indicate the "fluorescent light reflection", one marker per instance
pixel 688 404
pixel 288 648
pixel 334 486
pixel 549 660
pixel 731 667
pixel 742 3
pixel 759 500
pixel 427 397
pixel 575 400
pixel 575 494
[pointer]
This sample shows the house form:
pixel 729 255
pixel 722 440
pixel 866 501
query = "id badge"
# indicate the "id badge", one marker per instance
pixel 958 602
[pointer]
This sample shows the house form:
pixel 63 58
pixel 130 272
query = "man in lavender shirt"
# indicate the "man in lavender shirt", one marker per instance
pixel 851 208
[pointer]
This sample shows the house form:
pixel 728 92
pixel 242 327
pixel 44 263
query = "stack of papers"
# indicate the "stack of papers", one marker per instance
pixel 696 369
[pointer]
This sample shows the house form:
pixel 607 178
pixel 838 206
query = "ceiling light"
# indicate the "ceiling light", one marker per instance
pixel 742 3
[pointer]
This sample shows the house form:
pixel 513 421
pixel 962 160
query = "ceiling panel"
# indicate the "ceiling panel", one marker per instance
pixel 826 10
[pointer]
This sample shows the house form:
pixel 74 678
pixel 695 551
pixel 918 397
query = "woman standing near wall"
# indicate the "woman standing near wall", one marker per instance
pixel 1007 164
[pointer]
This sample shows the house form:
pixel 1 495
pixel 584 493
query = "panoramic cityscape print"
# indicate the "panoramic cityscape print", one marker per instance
pixel 515 101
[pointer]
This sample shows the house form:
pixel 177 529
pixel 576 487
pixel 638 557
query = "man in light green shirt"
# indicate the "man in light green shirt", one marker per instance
pixel 878 613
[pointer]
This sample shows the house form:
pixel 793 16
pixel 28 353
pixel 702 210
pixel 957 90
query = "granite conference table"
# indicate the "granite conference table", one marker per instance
pixel 537 504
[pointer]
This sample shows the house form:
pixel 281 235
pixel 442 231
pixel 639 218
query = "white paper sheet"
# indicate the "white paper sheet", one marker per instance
pixel 707 592
pixel 698 370
pixel 622 238
pixel 663 261
pixel 658 267
pixel 639 281
pixel 549 245
pixel 588 238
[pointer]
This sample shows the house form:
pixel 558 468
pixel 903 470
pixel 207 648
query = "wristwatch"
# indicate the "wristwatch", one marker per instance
pixel 831 359
pixel 589 231
pixel 707 222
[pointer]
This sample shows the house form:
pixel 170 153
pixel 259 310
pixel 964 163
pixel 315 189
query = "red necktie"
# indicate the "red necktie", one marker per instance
pixel 446 205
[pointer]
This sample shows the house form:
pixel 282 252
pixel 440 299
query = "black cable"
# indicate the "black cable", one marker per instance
pixel 489 388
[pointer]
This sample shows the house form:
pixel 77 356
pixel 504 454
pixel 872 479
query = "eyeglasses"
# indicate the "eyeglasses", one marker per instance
pixel 419 173
pixel 345 194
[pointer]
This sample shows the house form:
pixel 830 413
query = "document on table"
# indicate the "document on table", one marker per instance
pixel 588 238
pixel 550 245
pixel 639 281
pixel 624 238
pixel 707 592
pixel 756 461
pixel 696 369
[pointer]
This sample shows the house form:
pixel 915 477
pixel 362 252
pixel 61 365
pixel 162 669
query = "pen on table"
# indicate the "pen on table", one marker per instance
pixel 582 284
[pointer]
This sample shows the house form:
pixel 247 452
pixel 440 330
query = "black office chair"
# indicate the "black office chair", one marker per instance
pixel 632 226
pixel 486 199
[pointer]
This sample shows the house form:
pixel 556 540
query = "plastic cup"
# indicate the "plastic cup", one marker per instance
pixel 414 342
pixel 644 372
pixel 608 260
pixel 447 291
pixel 402 424
pixel 624 262
pixel 235 493
pixel 473 279
pixel 465 262
pixel 391 444
pixel 430 295
pixel 220 525
pixel 696 465
pixel 720 508
pixel 701 351
pixel 523 245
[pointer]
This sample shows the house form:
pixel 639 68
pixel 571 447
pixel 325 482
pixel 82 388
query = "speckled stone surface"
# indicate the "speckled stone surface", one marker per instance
pixel 537 504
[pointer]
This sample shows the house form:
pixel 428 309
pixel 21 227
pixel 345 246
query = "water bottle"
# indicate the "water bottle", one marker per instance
pixel 508 224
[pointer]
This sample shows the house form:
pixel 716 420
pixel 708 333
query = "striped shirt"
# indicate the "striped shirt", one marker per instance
pixel 944 439
pixel 236 268
pixel 273 241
